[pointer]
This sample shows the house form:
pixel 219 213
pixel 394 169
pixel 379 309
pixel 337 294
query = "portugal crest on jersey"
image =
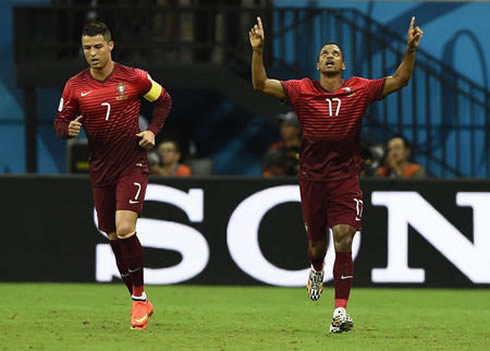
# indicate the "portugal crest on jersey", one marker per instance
pixel 121 90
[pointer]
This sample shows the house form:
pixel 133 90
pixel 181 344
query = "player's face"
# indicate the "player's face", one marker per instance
pixel 330 59
pixel 397 150
pixel 97 51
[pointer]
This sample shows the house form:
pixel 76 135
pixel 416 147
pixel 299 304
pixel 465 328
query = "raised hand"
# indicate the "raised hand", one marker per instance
pixel 147 141
pixel 414 35
pixel 74 127
pixel 256 35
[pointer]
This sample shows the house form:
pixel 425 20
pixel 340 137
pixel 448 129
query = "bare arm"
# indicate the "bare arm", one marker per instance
pixel 260 80
pixel 405 70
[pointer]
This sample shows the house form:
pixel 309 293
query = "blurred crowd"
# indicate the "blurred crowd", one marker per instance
pixel 390 160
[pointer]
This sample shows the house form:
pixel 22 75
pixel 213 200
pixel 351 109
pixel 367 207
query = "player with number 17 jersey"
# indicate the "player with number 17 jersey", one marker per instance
pixel 110 111
pixel 330 113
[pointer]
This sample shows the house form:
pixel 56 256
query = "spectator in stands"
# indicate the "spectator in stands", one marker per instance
pixel 397 163
pixel 283 156
pixel 169 154
pixel 276 164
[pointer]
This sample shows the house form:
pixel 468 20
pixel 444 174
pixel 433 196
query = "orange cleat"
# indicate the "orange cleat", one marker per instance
pixel 140 313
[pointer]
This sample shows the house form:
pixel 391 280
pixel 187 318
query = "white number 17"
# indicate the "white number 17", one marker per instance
pixel 330 103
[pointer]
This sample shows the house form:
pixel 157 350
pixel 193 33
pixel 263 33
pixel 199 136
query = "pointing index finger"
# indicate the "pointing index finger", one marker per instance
pixel 259 21
pixel 412 22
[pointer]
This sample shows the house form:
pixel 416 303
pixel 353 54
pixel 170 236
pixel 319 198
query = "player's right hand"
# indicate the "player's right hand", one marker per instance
pixel 74 127
pixel 256 35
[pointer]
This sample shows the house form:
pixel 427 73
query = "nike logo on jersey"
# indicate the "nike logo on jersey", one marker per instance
pixel 134 270
pixel 346 277
pixel 86 93
pixel 132 202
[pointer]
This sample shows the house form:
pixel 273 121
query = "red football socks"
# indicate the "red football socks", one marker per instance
pixel 133 255
pixel 343 274
pixel 122 265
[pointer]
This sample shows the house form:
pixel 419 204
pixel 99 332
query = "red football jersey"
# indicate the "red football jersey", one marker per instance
pixel 331 125
pixel 110 111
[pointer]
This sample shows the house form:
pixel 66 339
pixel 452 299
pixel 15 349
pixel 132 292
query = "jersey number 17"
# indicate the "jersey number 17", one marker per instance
pixel 330 106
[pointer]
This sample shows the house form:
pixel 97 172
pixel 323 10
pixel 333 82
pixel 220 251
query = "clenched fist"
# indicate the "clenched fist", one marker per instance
pixel 74 127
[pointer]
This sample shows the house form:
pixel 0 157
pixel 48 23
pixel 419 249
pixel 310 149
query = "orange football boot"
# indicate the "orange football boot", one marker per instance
pixel 140 313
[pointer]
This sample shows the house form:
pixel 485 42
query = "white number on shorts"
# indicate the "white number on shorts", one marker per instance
pixel 108 109
pixel 135 201
pixel 359 208
pixel 137 192
pixel 330 103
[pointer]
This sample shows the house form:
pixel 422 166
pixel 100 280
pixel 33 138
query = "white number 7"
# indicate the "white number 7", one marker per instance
pixel 108 109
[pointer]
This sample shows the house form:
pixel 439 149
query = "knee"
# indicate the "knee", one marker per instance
pixel 343 236
pixel 124 231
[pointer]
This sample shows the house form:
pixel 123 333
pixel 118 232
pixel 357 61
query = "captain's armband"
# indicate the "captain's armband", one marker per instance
pixel 154 93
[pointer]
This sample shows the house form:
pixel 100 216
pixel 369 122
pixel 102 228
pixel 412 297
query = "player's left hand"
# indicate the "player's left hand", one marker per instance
pixel 147 141
pixel 414 35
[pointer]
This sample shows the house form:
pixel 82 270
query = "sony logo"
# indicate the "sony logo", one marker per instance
pixel 404 208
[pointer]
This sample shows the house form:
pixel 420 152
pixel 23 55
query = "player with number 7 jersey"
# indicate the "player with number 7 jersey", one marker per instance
pixel 105 99
pixel 110 110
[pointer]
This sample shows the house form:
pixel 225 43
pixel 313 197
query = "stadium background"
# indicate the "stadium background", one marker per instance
pixel 422 234
pixel 236 126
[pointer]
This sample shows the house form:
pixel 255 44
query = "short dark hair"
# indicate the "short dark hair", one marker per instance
pixel 172 141
pixel 94 28
pixel 331 43
pixel 406 143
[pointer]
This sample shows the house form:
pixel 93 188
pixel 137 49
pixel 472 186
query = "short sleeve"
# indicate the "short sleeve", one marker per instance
pixel 68 106
pixel 292 88
pixel 67 109
pixel 143 81
pixel 375 89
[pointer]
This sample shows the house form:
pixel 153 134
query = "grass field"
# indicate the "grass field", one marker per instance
pixel 96 317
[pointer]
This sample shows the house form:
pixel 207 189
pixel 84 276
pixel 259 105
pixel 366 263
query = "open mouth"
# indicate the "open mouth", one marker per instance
pixel 95 61
pixel 330 64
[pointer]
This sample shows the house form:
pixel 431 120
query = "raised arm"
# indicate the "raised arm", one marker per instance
pixel 260 81
pixel 405 70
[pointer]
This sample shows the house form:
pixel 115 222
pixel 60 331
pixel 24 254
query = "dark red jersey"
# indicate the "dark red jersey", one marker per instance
pixel 110 111
pixel 331 125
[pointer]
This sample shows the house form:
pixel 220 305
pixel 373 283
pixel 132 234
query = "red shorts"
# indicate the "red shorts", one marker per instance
pixel 326 204
pixel 127 194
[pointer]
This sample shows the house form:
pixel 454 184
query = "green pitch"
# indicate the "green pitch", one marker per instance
pixel 96 317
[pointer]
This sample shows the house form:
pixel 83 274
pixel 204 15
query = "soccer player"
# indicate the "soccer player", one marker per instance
pixel 330 112
pixel 105 99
